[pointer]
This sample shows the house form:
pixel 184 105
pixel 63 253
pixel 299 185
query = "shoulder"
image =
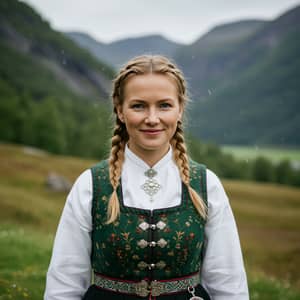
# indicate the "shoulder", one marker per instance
pixel 216 195
pixel 195 165
pixel 100 174
pixel 100 166
pixel 213 181
pixel 197 171
pixel 217 198
pixel 82 189
pixel 78 204
pixel 83 181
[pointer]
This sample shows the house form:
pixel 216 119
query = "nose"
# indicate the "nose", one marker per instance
pixel 152 118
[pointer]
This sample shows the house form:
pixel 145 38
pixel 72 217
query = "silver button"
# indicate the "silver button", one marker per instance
pixel 152 244
pixel 151 266
pixel 153 226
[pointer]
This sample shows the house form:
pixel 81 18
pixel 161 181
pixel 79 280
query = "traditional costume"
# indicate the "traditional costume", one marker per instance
pixel 159 247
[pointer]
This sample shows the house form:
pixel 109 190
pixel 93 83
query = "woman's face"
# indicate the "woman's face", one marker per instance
pixel 150 112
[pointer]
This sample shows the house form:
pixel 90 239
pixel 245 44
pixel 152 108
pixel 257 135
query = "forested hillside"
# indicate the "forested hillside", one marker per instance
pixel 52 93
pixel 246 90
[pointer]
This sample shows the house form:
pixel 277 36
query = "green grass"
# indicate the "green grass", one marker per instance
pixel 24 260
pixel 267 216
pixel 274 154
pixel 269 288
pixel 268 221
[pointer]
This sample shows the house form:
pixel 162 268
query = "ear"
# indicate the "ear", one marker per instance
pixel 120 113
pixel 180 113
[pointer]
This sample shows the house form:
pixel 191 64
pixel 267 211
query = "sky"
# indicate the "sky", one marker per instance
pixel 182 21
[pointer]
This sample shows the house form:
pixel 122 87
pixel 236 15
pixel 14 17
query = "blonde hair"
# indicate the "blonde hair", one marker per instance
pixel 140 65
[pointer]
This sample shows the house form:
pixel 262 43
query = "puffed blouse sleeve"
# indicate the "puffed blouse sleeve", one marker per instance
pixel 69 273
pixel 222 272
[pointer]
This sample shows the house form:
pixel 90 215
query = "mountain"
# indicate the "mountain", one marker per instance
pixel 207 58
pixel 246 89
pixel 242 76
pixel 33 55
pixel 119 52
pixel 53 94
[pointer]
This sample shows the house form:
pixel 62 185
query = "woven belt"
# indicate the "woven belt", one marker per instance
pixel 145 287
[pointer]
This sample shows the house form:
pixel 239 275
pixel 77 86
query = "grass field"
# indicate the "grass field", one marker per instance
pixel 274 154
pixel 267 218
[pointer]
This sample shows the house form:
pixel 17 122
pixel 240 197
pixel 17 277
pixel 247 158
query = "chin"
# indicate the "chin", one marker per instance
pixel 151 147
pixel 154 147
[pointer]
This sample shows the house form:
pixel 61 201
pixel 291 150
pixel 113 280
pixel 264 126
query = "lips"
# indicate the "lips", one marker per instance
pixel 151 131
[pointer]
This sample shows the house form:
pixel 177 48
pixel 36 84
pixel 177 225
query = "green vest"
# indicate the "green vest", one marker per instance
pixel 159 244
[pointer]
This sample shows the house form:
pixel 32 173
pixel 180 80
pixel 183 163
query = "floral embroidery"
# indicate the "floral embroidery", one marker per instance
pixel 132 245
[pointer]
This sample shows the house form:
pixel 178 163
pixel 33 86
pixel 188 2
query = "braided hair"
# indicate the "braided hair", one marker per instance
pixel 141 65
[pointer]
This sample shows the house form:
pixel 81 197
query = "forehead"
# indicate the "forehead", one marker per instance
pixel 150 86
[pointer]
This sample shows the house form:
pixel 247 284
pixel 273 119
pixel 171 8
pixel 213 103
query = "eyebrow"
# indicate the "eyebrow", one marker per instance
pixel 160 100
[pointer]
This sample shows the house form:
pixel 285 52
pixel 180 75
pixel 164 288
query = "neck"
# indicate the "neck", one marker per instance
pixel 150 157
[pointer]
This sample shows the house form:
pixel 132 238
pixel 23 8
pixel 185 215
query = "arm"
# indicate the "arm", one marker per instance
pixel 69 273
pixel 222 273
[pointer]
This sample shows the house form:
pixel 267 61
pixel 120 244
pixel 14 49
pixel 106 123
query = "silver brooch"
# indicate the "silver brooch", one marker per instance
pixel 151 186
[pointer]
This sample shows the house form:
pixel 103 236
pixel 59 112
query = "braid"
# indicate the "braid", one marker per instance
pixel 180 154
pixel 181 159
pixel 115 166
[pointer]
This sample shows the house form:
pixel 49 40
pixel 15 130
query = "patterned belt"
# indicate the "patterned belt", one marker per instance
pixel 144 288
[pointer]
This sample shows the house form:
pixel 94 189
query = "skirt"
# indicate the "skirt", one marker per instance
pixel 96 293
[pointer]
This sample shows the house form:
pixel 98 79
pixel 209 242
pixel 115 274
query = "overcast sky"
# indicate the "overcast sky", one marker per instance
pixel 179 20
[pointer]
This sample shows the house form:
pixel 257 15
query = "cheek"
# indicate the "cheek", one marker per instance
pixel 132 119
pixel 172 120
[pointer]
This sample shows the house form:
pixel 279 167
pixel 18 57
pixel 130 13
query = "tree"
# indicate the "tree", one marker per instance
pixel 262 169
pixel 284 172
pixel 50 133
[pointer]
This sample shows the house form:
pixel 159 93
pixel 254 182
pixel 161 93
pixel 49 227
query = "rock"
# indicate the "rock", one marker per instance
pixel 58 183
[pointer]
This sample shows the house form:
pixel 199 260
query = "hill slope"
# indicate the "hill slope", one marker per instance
pixel 249 86
pixel 206 60
pixel 53 94
pixel 119 52
pixel 33 55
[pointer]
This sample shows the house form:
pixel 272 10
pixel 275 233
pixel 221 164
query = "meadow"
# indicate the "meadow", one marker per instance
pixel 267 216
pixel 272 153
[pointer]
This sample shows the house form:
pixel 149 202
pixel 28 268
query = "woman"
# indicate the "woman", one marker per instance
pixel 148 222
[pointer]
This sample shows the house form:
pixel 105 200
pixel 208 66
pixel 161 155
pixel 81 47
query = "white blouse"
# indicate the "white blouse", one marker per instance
pixel 222 273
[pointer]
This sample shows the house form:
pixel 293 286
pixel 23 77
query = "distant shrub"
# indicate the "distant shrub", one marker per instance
pixel 262 170
pixel 283 172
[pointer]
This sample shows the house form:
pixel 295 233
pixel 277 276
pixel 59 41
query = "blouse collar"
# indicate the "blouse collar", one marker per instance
pixel 142 164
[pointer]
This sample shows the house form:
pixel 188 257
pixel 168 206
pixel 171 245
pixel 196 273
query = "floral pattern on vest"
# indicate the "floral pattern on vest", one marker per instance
pixel 159 244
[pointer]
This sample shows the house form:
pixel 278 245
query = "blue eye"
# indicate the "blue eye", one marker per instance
pixel 165 105
pixel 137 106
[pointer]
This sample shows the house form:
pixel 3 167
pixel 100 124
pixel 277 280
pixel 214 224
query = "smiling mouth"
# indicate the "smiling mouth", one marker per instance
pixel 151 131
